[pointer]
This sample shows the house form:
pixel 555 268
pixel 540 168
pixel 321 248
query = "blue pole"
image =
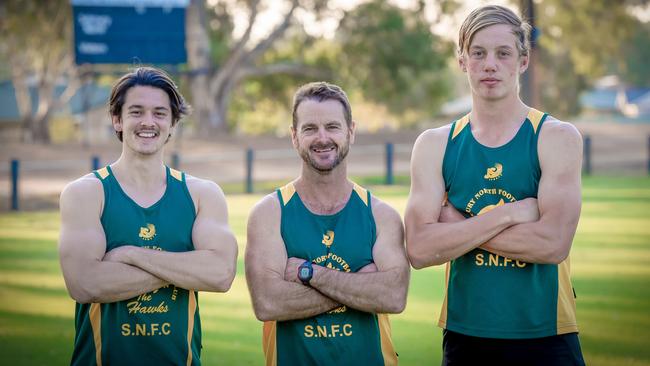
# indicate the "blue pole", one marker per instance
pixel 15 165
pixel 249 170
pixel 176 161
pixel 586 168
pixel 95 162
pixel 389 163
pixel 648 154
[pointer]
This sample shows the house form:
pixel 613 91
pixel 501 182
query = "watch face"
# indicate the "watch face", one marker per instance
pixel 304 272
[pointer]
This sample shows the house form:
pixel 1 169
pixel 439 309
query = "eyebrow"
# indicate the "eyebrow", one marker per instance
pixel 138 106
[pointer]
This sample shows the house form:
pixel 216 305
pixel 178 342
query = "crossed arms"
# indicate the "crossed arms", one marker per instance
pixel 277 294
pixel 532 230
pixel 92 275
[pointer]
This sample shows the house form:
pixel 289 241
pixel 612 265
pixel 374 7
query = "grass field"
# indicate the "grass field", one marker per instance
pixel 610 264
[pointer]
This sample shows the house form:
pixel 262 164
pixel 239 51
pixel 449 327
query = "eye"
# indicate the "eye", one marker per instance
pixel 161 114
pixel 476 53
pixel 135 113
pixel 504 54
pixel 333 127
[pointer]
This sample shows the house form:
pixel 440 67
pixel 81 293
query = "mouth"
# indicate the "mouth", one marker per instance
pixel 322 149
pixel 490 81
pixel 147 134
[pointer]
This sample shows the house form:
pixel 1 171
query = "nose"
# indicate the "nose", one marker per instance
pixel 490 63
pixel 147 119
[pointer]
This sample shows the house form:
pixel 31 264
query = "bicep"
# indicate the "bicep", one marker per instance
pixel 266 255
pixel 427 184
pixel 388 251
pixel 210 230
pixel 81 239
pixel 559 193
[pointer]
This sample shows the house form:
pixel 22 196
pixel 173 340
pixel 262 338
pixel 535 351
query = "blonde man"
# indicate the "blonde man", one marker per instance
pixel 496 196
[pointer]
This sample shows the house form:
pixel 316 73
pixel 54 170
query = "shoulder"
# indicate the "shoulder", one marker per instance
pixel 383 212
pixel 434 135
pixel 265 214
pixel 86 187
pixel 87 190
pixel 554 131
pixel 202 188
pixel 559 146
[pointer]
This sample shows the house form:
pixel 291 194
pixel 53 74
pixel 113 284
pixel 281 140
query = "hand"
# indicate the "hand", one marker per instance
pixel 119 254
pixel 291 270
pixel 449 214
pixel 526 210
pixel 370 267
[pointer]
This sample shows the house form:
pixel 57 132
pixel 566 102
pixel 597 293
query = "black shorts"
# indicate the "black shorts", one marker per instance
pixel 560 350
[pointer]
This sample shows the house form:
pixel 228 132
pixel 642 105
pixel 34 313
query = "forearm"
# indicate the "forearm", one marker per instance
pixel 201 270
pixel 436 243
pixel 283 300
pixel 375 292
pixel 536 242
pixel 105 282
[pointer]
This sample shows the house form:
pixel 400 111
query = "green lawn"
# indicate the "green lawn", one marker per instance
pixel 610 264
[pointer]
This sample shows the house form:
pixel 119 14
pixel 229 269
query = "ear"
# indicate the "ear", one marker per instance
pixel 117 123
pixel 294 137
pixel 461 63
pixel 353 129
pixel 523 63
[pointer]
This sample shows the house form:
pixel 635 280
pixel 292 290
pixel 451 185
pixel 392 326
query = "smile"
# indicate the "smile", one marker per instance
pixel 316 150
pixel 146 134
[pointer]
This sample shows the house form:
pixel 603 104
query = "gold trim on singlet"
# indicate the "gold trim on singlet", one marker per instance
pixel 566 305
pixel 362 192
pixel 460 124
pixel 442 322
pixel 103 172
pixel 287 192
pixel 95 315
pixel 387 348
pixel 269 339
pixel 176 174
pixel 191 309
pixel 535 118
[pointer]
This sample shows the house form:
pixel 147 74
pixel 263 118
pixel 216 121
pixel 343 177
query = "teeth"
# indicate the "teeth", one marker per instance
pixel 146 134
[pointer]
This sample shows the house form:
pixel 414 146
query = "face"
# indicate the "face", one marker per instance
pixel 493 64
pixel 146 119
pixel 322 136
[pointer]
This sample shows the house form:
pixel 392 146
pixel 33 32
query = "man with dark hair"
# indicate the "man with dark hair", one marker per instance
pixel 138 239
pixel 325 259
pixel 514 174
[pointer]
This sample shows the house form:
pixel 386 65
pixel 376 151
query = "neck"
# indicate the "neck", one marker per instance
pixel 325 189
pixel 142 171
pixel 509 111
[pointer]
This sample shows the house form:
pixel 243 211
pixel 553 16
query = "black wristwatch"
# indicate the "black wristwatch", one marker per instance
pixel 305 272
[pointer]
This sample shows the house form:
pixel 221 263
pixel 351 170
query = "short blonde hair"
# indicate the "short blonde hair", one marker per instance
pixel 493 15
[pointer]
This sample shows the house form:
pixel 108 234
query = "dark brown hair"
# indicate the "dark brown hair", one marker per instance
pixel 147 76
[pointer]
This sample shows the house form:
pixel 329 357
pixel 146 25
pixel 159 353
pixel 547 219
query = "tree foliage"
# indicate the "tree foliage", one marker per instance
pixel 390 54
pixel 36 42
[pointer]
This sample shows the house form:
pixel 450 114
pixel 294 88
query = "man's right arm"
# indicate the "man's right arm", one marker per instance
pixel 430 241
pixel 266 259
pixel 82 245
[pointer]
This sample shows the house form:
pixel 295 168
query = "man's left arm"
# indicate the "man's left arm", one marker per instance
pixel 549 239
pixel 380 291
pixel 211 265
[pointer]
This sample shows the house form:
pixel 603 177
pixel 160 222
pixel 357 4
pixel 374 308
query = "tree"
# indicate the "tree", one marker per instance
pixel 36 42
pixel 391 55
pixel 220 63
pixel 581 41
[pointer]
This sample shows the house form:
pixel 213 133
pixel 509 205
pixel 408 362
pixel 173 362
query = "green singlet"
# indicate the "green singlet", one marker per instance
pixel 344 242
pixel 161 327
pixel 489 295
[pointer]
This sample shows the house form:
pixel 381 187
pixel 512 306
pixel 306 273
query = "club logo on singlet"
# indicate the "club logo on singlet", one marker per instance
pixel 494 173
pixel 491 207
pixel 328 238
pixel 148 232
